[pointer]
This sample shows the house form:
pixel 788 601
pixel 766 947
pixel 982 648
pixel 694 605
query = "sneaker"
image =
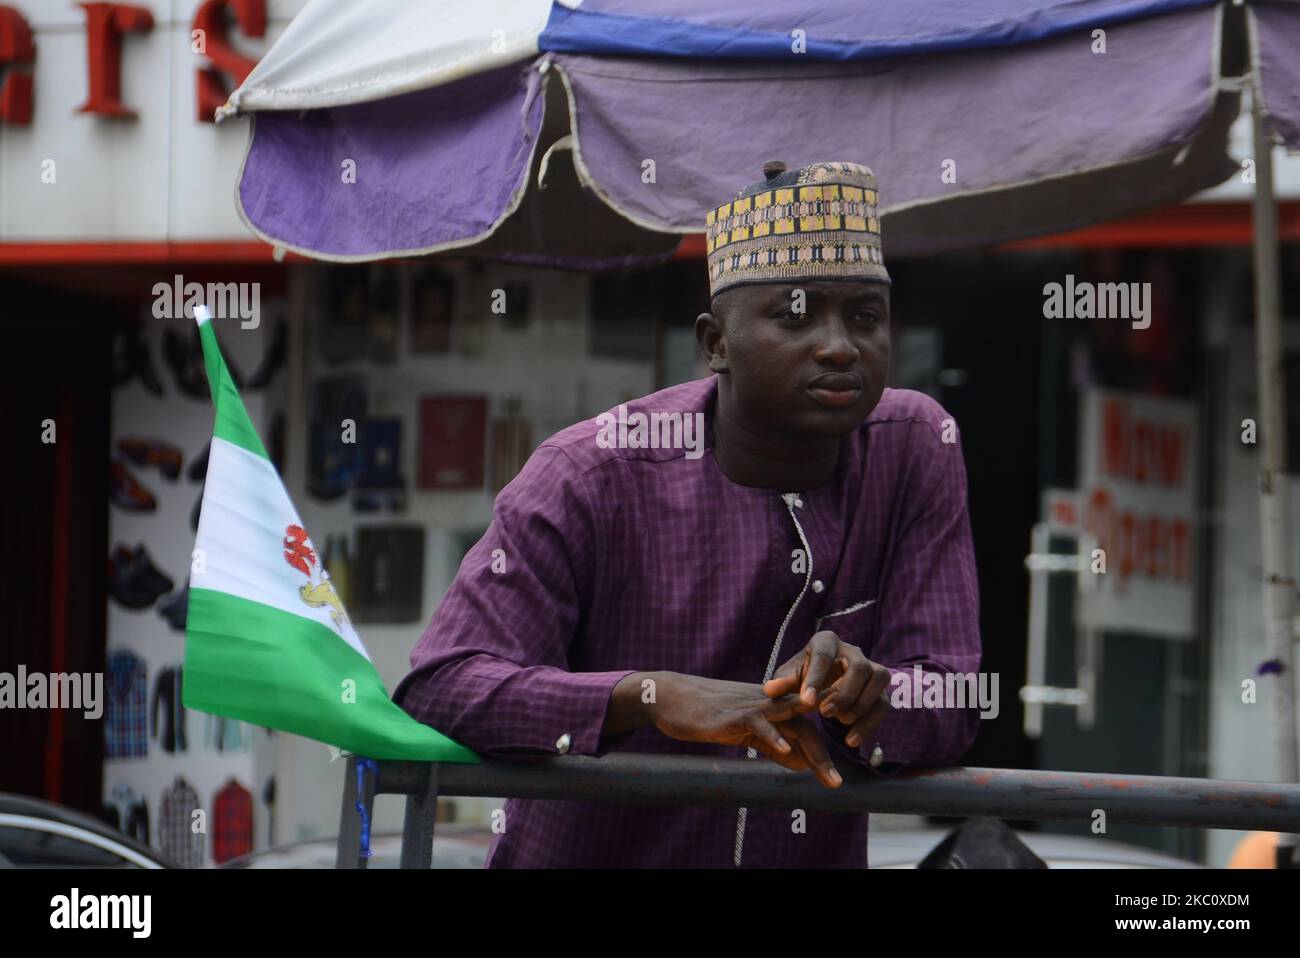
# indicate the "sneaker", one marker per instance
pixel 150 574
pixel 175 608
pixel 189 376
pixel 126 491
pixel 133 579
pixel 272 361
pixel 146 452
pixel 131 359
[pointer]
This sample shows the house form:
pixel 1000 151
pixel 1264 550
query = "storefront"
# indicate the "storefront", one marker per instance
pixel 114 190
pixel 398 398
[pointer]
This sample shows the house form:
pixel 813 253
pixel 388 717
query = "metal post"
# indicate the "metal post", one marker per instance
pixel 421 813
pixel 1274 509
pixel 349 851
pixel 1040 541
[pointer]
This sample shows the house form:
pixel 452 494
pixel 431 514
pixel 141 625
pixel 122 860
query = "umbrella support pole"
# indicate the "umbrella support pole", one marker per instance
pixel 1275 517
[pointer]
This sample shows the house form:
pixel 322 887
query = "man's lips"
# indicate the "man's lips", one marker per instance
pixel 835 389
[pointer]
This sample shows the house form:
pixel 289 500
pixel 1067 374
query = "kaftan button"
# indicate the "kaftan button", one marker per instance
pixel 877 756
pixel 562 743
pixel 818 585
pixel 798 502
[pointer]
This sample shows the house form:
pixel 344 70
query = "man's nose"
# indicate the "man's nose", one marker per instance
pixel 835 346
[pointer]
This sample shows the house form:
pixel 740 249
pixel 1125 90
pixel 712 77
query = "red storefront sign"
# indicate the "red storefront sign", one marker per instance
pixel 1138 500
pixel 106 25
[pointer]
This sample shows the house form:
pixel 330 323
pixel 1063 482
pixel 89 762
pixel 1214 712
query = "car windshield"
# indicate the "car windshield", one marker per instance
pixel 34 848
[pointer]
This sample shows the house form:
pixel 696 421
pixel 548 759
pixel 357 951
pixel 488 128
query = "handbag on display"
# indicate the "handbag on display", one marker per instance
pixel 333 456
pixel 387 578
pixel 431 317
pixel 453 433
pixel 345 316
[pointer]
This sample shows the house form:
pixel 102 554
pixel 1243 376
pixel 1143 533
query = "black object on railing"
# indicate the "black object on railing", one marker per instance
pixel 700 780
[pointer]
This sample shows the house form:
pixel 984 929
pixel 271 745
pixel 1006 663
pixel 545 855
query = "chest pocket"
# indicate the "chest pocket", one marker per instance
pixel 853 618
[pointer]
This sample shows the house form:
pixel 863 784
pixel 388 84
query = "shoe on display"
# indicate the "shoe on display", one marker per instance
pixel 175 608
pixel 151 452
pixel 131 358
pixel 150 574
pixel 126 491
pixel 272 361
pixel 189 376
pixel 133 579
pixel 125 590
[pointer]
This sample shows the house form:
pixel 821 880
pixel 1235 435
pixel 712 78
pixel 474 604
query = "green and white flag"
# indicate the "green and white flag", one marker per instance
pixel 267 640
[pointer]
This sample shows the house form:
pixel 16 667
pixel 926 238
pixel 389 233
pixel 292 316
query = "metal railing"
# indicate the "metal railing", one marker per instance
pixel 700 780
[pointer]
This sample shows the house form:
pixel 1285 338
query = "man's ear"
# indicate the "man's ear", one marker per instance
pixel 708 333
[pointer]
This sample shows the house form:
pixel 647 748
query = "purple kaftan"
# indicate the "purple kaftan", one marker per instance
pixel 618 560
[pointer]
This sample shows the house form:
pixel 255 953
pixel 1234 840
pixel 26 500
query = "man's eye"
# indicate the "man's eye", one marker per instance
pixel 869 317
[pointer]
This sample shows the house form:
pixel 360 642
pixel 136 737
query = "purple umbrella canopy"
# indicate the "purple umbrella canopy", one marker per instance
pixel 1021 118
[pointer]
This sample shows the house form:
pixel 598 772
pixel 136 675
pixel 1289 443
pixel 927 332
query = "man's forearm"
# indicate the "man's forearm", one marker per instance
pixel 627 704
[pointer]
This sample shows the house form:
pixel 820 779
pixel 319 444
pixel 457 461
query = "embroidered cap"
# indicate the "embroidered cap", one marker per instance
pixel 816 222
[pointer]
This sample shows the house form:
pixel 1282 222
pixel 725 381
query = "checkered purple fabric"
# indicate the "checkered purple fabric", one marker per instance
pixel 612 561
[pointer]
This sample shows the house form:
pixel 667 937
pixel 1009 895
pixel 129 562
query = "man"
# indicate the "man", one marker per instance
pixel 641 599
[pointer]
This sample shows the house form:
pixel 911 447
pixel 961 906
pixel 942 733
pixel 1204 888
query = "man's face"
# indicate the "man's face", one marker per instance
pixel 816 372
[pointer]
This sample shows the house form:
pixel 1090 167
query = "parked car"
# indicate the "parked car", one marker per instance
pixel 38 834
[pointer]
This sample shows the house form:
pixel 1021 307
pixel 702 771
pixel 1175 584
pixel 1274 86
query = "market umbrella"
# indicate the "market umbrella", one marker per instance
pixel 1008 120
pixel 392 129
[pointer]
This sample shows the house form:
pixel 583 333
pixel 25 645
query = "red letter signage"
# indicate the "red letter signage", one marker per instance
pixel 211 40
pixel 105 24
pixel 15 47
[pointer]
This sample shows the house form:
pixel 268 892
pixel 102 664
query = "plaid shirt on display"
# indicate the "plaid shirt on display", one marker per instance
pixel 126 716
pixel 232 822
pixel 176 836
